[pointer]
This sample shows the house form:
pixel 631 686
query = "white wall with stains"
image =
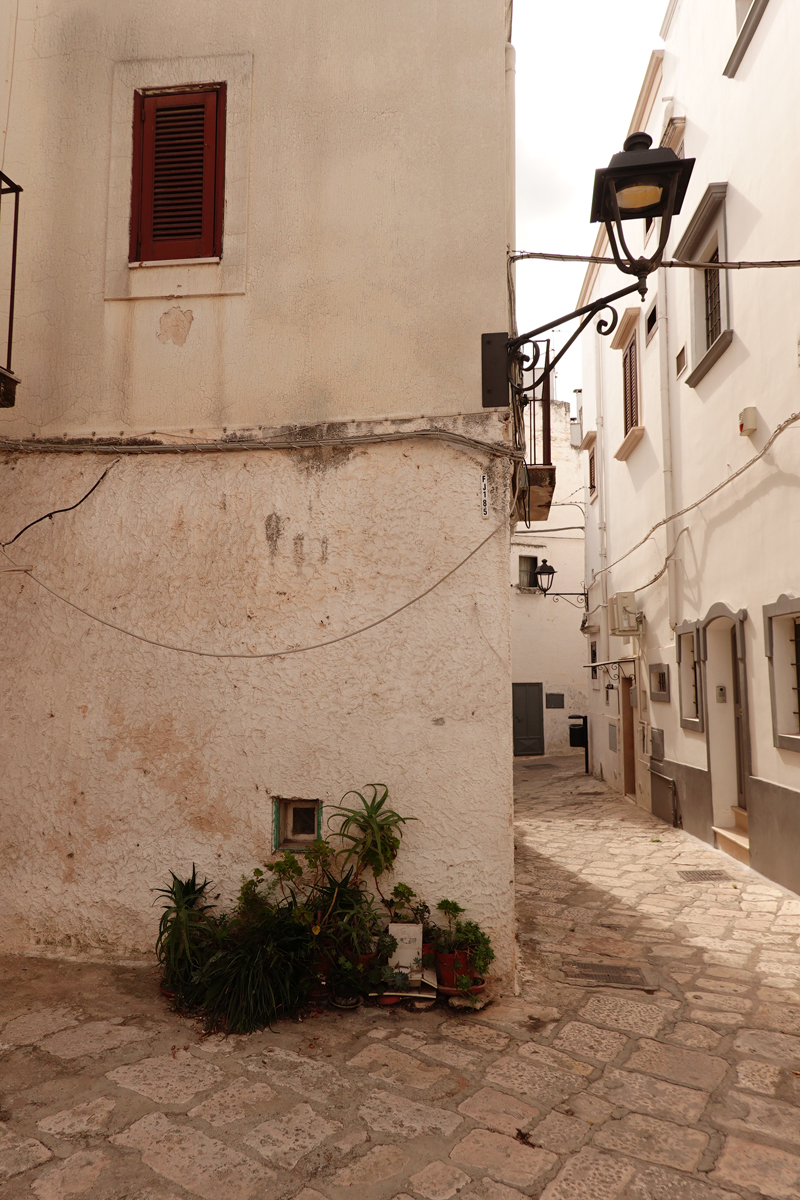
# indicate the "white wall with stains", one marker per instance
pixel 123 761
pixel 364 246
pixel 365 223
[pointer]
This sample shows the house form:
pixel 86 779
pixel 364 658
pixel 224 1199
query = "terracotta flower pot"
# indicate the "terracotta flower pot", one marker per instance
pixel 448 966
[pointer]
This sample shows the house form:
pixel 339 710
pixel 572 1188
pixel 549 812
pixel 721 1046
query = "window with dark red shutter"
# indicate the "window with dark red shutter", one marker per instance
pixel 178 174
pixel 629 386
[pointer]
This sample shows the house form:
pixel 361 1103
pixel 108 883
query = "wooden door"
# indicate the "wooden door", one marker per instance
pixel 628 746
pixel 528 718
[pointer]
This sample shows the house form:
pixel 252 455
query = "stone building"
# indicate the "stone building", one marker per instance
pixel 692 456
pixel 258 246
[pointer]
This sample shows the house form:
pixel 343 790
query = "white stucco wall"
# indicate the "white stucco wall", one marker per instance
pixel 547 645
pixel 123 761
pixel 739 548
pixel 368 170
pixel 365 211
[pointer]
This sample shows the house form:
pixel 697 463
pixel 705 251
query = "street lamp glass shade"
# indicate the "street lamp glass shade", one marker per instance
pixel 633 197
pixel 641 182
pixel 544 576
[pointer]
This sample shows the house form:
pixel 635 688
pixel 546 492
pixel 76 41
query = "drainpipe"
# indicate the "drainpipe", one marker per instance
pixel 666 444
pixel 511 231
pixel 600 464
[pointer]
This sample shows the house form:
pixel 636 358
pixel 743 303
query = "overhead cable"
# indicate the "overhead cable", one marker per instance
pixel 518 255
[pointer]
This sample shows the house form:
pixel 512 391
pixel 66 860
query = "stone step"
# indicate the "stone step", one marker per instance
pixel 734 842
pixel 740 818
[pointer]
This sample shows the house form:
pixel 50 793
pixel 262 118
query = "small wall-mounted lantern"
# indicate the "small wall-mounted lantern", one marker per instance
pixel 544 576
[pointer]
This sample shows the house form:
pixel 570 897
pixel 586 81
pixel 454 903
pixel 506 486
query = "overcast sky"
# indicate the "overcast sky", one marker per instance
pixel 580 66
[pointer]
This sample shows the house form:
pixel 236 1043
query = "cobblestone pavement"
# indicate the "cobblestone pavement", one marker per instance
pixel 682 1082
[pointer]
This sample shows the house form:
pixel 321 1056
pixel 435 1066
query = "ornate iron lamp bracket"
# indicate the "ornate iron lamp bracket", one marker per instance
pixel 521 363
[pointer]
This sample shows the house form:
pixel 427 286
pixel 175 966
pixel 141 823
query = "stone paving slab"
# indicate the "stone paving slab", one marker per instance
pixel 690 1091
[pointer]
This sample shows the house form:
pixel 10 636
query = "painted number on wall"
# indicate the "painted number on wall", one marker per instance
pixel 484 495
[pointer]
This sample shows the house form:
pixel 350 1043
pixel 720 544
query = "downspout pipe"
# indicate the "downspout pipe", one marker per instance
pixel 666 447
pixel 600 464
pixel 511 222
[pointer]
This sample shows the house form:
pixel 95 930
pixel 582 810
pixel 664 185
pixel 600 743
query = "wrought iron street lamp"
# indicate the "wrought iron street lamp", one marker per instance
pixel 544 581
pixel 640 183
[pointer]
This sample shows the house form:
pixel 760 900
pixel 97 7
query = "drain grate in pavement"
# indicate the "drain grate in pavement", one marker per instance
pixel 606 973
pixel 701 876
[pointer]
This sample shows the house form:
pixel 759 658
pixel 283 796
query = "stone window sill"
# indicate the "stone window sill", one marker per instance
pixel 173 262
pixel 709 358
pixel 632 439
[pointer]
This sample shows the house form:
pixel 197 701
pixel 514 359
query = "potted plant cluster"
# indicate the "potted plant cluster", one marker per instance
pixel 308 928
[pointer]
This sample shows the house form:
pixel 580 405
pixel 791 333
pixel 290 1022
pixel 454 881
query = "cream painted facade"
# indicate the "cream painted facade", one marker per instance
pixel 547 647
pixel 713 677
pixel 296 443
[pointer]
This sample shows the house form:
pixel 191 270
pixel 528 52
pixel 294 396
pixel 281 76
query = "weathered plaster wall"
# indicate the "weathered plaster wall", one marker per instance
pixel 365 221
pixel 122 760
pixel 547 645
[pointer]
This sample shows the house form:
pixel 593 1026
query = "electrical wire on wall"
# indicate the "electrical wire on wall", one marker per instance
pixel 284 653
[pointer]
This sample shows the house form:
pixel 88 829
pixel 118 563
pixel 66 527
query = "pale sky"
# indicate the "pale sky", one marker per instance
pixel 580 66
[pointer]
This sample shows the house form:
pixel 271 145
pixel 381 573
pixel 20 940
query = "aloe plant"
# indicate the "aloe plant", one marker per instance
pixel 372 832
pixel 185 934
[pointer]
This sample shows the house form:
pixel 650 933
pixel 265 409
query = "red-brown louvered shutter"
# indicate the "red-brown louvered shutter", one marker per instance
pixel 178 175
pixel 629 387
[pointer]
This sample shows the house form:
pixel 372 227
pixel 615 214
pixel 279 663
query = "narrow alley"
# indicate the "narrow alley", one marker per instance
pixel 653 1054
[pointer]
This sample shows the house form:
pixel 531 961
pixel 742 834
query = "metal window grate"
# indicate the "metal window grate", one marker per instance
pixel 713 303
pixel 702 876
pixel 606 973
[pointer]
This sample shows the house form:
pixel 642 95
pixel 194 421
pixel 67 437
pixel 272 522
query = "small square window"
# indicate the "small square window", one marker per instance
pixel 659 682
pixel 650 322
pixel 296 823
pixel 554 700
pixel 527 571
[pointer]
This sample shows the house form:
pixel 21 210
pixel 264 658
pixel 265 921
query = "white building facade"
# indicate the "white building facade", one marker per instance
pixel 547 648
pixel 280 362
pixel 692 454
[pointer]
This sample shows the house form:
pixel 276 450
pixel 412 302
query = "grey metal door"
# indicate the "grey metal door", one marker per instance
pixel 528 718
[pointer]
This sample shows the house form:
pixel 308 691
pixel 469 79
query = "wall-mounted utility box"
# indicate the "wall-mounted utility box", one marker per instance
pixel 748 419
pixel 622 614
